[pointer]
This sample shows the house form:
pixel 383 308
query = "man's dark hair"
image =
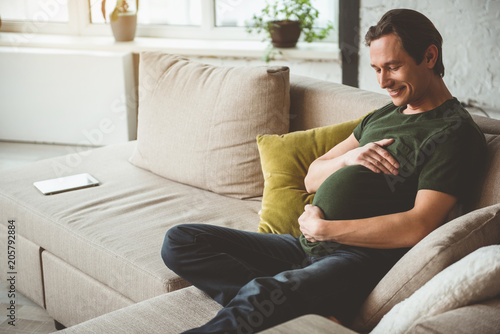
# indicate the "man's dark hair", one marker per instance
pixel 415 31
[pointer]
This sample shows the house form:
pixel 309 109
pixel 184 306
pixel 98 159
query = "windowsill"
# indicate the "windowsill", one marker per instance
pixel 188 47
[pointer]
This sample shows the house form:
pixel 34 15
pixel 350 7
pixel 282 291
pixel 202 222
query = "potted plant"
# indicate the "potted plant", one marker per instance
pixel 283 21
pixel 123 20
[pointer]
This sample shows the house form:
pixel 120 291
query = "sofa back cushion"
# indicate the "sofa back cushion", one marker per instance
pixel 197 123
pixel 489 192
pixel 316 103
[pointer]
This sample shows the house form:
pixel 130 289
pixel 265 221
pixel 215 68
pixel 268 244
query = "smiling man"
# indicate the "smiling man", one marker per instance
pixel 416 155
pixel 378 193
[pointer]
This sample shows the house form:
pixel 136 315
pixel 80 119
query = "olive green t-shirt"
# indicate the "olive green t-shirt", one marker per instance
pixel 441 149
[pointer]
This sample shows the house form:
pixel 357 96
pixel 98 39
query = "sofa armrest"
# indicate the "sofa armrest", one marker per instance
pixel 309 324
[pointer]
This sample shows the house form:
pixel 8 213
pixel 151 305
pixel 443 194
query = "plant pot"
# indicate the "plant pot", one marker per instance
pixel 124 27
pixel 284 34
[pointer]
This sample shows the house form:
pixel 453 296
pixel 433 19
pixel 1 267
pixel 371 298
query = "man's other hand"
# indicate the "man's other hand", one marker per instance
pixel 311 222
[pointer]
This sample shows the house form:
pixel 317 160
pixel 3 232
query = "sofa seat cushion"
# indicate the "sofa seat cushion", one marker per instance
pixel 169 313
pixel 198 122
pixel 114 232
pixel 310 323
pixel 184 309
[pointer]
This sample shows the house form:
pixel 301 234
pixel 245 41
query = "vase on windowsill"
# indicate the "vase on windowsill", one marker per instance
pixel 123 20
pixel 124 27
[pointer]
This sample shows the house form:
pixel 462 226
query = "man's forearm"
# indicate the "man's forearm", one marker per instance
pixel 404 229
pixel 319 171
pixel 389 231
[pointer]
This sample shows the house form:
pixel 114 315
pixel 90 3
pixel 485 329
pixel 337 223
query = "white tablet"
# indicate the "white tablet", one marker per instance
pixel 67 183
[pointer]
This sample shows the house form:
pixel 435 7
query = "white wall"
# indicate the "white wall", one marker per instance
pixel 66 96
pixel 471 47
pixel 88 98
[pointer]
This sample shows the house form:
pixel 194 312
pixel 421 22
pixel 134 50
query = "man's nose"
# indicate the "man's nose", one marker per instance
pixel 385 80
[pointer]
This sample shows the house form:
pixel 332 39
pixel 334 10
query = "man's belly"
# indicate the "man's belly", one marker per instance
pixel 355 192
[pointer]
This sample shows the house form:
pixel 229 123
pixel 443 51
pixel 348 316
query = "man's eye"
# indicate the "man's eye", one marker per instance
pixel 394 68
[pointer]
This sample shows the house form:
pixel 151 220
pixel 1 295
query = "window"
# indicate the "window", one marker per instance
pixel 185 12
pixel 34 10
pixel 186 19
pixel 234 13
pixel 155 12
pixel 38 16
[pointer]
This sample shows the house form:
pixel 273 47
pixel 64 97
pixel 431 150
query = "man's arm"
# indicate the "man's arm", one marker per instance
pixel 397 230
pixel 373 156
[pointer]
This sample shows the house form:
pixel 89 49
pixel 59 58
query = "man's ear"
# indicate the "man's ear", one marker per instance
pixel 431 56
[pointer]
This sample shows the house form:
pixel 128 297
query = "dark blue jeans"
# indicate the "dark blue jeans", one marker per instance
pixel 263 280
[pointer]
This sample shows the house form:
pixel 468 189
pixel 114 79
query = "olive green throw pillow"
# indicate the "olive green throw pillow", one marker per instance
pixel 285 160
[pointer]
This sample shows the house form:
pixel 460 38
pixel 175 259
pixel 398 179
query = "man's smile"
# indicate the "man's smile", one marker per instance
pixel 395 92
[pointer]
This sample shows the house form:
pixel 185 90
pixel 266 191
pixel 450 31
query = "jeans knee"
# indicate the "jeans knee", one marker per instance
pixel 174 239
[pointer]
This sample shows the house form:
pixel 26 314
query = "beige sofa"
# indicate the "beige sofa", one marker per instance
pixel 91 257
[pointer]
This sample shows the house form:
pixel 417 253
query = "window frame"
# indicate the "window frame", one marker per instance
pixel 30 27
pixel 79 25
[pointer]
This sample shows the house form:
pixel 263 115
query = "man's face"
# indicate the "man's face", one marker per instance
pixel 397 71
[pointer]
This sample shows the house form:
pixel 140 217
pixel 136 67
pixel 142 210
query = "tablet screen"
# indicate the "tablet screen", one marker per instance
pixel 73 182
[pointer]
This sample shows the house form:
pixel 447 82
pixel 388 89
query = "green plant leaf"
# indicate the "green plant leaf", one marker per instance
pixel 278 10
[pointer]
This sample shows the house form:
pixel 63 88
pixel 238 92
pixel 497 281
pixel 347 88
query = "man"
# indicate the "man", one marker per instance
pixel 379 192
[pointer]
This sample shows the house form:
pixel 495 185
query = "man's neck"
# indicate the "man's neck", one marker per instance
pixel 436 94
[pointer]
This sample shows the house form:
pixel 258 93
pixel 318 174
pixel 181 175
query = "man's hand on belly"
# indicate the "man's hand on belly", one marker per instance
pixel 374 157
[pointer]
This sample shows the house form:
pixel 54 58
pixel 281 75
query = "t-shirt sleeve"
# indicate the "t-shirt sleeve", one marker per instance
pixel 358 130
pixel 453 161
